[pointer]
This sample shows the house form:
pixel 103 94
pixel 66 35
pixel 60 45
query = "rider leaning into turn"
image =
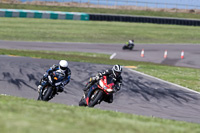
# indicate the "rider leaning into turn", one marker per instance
pixel 61 67
pixel 130 43
pixel 115 73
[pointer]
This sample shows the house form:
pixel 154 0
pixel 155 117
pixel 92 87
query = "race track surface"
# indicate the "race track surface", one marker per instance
pixel 152 52
pixel 140 94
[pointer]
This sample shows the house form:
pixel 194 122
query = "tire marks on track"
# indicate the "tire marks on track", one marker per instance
pixel 140 94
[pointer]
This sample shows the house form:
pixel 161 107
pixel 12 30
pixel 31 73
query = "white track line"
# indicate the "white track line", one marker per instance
pixel 113 55
pixel 164 81
pixel 4 94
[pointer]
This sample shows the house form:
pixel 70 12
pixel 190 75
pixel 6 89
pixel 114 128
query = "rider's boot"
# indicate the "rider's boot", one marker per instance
pixel 60 89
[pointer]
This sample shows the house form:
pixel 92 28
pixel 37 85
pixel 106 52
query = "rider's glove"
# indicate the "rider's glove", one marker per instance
pixel 50 72
pixel 116 88
pixel 97 77
pixel 99 74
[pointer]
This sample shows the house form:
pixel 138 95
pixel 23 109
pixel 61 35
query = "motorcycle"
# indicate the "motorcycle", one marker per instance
pixel 97 92
pixel 130 46
pixel 52 87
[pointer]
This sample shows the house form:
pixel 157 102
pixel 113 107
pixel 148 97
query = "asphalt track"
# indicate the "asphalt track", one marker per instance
pixel 152 52
pixel 141 95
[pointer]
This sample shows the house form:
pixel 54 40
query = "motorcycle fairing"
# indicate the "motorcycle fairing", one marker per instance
pixel 92 88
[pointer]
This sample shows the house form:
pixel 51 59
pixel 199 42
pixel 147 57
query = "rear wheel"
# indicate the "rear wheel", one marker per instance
pixel 95 98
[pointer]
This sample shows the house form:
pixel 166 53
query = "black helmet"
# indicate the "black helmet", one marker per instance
pixel 117 70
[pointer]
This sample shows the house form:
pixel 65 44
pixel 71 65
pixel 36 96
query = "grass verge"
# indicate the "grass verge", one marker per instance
pixel 187 77
pixel 101 10
pixel 19 115
pixel 27 29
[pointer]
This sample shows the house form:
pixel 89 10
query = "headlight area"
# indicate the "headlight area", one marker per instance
pixel 109 90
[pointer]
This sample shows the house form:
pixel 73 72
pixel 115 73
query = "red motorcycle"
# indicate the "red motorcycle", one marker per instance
pixel 98 92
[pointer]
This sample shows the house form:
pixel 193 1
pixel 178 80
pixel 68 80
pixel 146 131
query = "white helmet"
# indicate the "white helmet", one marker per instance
pixel 63 64
pixel 117 70
pixel 130 41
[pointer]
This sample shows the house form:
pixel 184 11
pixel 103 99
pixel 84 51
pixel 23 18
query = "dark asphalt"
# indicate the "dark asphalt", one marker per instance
pixel 152 52
pixel 139 95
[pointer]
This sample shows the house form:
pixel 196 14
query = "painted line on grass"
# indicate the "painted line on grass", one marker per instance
pixel 164 81
pixel 113 55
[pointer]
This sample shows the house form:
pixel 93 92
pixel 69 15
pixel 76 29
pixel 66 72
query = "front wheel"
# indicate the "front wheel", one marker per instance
pixel 46 94
pixel 95 98
pixel 82 102
pixel 124 47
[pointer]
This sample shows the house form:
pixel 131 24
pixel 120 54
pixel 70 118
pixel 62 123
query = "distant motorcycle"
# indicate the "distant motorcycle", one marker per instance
pixel 128 47
pixel 51 89
pixel 98 92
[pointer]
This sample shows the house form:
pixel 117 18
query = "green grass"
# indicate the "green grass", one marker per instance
pixel 187 77
pixel 101 10
pixel 19 115
pixel 24 29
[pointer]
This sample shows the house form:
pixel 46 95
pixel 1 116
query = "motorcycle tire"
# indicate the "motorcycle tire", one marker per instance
pixel 97 96
pixel 46 93
pixel 82 102
pixel 124 47
pixel 39 97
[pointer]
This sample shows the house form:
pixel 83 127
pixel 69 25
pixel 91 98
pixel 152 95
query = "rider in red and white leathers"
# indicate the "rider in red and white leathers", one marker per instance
pixel 114 73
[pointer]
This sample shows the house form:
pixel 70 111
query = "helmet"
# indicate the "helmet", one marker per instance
pixel 63 64
pixel 117 70
pixel 130 41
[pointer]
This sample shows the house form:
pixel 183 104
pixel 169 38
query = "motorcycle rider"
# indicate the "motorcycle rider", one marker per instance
pixel 61 67
pixel 130 43
pixel 115 73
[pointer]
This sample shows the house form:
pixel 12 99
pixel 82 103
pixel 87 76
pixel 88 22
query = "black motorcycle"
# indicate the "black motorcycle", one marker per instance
pixel 128 47
pixel 53 86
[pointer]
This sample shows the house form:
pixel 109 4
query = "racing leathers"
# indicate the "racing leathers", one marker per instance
pixel 55 67
pixel 109 73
